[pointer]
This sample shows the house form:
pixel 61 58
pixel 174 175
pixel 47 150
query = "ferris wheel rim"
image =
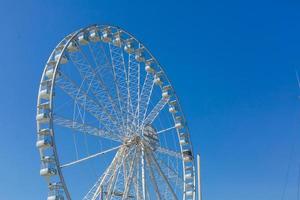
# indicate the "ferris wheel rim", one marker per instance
pixel 69 39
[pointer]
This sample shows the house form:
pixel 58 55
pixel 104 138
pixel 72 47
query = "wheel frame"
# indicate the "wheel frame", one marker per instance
pixel 62 46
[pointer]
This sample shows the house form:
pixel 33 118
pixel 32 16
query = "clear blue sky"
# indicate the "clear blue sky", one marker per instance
pixel 231 62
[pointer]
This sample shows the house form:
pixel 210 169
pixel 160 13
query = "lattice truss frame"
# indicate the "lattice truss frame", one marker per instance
pixel 120 94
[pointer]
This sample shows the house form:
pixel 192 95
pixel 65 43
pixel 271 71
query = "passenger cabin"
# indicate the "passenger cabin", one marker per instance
pixel 106 35
pixel 43 143
pixel 44 131
pixel 149 68
pixel 42 117
pixel 173 106
pixel 48 171
pixel 179 122
pixel 83 38
pixel 139 55
pixel 45 93
pixel 166 92
pixel 187 155
pixel 72 47
pixel 94 35
pixel 63 58
pixel 183 139
pixel 117 39
pixel 44 105
pixel 55 197
pixel 129 47
pixel 158 78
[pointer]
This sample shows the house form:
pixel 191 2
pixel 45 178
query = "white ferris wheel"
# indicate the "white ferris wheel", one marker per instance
pixel 109 123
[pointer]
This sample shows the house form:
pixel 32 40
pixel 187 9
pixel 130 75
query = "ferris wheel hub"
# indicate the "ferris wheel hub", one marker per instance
pixel 134 140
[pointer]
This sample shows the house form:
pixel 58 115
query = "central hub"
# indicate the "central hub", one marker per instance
pixel 134 140
pixel 148 138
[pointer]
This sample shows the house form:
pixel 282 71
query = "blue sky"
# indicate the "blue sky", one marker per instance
pixel 232 64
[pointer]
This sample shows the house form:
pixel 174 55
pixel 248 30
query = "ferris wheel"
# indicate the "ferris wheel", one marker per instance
pixel 109 123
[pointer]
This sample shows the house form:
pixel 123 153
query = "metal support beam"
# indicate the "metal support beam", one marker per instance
pixel 199 178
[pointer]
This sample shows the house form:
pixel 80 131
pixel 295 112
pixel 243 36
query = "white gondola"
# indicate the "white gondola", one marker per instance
pixel 72 47
pixel 43 144
pixel 189 186
pixel 179 122
pixel 44 131
pixel 48 171
pixel 157 80
pixel 51 63
pixel 128 47
pixel 189 169
pixel 49 73
pixel 188 176
pixel 55 187
pixel 117 41
pixel 173 106
pixel 83 39
pixel 178 125
pixel 139 55
pixel 187 155
pixel 44 106
pixel 187 159
pixel 166 92
pixel 63 58
pixel 42 117
pixel 184 141
pixel 189 193
pixel 166 95
pixel 106 35
pixel 94 35
pixel 172 109
pixel 55 197
pixel 45 93
pixel 48 159
pixel 149 69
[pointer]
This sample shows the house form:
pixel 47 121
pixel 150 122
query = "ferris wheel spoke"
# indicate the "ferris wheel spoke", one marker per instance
pixel 110 191
pixel 84 128
pixel 89 157
pixel 112 183
pixel 175 174
pixel 133 81
pixel 152 177
pixel 110 173
pixel 169 152
pixel 97 188
pixel 85 101
pixel 102 56
pixel 155 111
pixel 165 130
pixel 130 81
pixel 137 179
pixel 129 178
pixel 162 174
pixel 143 171
pixel 120 78
pixel 98 88
pixel 144 97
